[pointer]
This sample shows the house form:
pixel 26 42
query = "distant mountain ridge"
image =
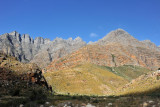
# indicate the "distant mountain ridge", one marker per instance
pixel 43 51
pixel 118 48
pixel 40 51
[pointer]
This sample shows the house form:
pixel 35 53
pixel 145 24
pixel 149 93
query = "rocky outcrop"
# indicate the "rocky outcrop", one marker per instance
pixel 150 45
pixel 18 79
pixel 27 49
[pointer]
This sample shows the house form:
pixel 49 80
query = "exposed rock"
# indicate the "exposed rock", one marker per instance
pixel 120 44
pixel 47 103
pixel 150 102
pixel 14 73
pixel 110 55
pixel 90 43
pixel 122 37
pixel 116 49
pixel 119 36
pixel 40 51
pixel 145 104
pixel 150 45
pixel 21 105
pixel 110 104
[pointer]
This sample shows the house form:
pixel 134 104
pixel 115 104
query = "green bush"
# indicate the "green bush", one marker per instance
pixel 15 92
pixel 38 94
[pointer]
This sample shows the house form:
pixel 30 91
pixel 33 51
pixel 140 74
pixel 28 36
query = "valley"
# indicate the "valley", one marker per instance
pixel 113 68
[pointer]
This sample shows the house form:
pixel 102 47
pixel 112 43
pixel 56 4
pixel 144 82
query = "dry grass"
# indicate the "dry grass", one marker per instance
pixel 146 84
pixel 19 67
pixel 88 79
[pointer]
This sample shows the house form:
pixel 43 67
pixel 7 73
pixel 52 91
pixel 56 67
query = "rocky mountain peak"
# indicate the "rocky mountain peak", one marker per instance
pixel 118 36
pixel 78 39
pixel 39 40
pixel 39 50
pixel 58 39
pixel 46 41
pixel 70 39
pixel 26 38
pixel 120 31
pixel 13 33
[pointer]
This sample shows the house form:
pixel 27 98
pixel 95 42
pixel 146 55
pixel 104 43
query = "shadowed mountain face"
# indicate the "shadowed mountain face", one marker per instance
pixel 40 51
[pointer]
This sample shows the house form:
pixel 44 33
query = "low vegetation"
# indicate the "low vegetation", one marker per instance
pixel 146 84
pixel 88 79
pixel 20 83
pixel 129 72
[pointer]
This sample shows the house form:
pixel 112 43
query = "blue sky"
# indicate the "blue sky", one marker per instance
pixel 89 19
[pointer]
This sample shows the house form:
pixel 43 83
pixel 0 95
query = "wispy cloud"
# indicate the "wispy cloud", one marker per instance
pixel 93 35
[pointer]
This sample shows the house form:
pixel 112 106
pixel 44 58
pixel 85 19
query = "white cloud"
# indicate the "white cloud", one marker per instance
pixel 93 35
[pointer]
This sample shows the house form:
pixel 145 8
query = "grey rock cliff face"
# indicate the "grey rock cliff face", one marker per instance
pixel 40 51
pixel 122 37
pixel 119 36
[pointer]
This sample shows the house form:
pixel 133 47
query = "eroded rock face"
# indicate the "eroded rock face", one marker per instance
pixel 26 49
pixel 122 37
pixel 116 49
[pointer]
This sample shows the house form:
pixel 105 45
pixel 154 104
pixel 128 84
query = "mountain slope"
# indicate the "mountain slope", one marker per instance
pixel 118 53
pixel 20 83
pixel 128 72
pixel 27 49
pixel 88 79
pixel 111 55
pixel 146 84
pixel 10 63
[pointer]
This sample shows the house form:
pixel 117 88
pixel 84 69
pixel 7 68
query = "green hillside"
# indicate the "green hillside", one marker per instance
pixel 128 72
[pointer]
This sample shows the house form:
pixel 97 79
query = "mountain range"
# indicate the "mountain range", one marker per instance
pixel 118 48
pixel 120 44
pixel 97 68
pixel 27 49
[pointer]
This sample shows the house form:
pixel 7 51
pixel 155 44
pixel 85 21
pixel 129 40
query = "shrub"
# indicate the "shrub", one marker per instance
pixel 38 94
pixel 15 92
